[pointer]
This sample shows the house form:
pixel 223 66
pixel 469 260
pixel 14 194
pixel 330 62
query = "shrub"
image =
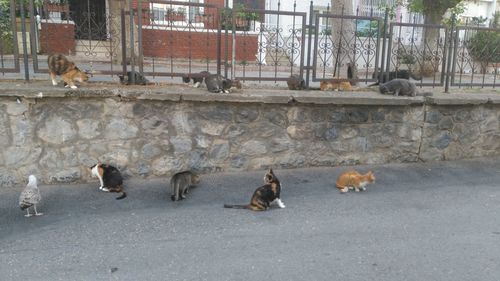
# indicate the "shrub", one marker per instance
pixel 484 46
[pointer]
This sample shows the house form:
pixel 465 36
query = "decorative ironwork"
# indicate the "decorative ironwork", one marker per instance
pixel 173 38
pixel 477 57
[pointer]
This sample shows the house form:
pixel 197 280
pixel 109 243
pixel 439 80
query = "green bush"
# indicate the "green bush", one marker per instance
pixel 484 46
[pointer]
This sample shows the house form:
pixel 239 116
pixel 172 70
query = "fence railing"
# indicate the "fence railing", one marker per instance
pixel 164 40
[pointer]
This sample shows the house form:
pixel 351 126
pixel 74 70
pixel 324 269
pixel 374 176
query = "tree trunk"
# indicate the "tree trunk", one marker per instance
pixel 115 28
pixel 342 35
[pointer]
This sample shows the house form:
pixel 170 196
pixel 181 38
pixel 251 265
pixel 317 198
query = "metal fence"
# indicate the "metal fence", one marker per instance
pixel 164 40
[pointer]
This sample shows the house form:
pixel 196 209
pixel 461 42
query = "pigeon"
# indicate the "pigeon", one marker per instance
pixel 30 197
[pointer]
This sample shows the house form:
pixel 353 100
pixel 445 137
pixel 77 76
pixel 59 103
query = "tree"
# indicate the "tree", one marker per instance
pixel 342 32
pixel 434 12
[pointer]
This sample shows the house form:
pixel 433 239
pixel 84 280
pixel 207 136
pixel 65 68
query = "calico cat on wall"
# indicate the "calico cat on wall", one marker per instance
pixel 110 178
pixel 354 180
pixel 181 182
pixel 60 65
pixel 263 196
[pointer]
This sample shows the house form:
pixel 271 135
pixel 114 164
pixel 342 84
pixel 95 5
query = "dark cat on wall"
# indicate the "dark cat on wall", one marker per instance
pixel 138 79
pixel 401 87
pixel 383 77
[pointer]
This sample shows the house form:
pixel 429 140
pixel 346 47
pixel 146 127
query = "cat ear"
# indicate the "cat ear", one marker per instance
pixel 88 72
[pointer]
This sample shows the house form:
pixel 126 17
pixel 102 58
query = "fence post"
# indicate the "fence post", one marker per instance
pixel 448 70
pixel 139 36
pixel 124 42
pixel 25 44
pixel 309 51
pixel 33 35
pixel 132 45
pixel 384 33
pixel 226 34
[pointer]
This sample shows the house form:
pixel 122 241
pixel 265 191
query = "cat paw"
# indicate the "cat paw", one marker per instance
pixel 38 214
pixel 74 87
pixel 28 215
pixel 54 83
pixel 344 190
pixel 105 189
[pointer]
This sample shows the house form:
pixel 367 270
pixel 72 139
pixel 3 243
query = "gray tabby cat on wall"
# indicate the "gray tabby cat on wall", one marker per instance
pixel 401 87
pixel 217 83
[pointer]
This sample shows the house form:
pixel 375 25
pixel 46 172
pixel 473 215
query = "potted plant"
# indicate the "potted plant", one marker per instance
pixel 173 15
pixel 61 6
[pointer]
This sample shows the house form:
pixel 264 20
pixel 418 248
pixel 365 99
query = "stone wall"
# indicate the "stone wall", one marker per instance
pixel 57 134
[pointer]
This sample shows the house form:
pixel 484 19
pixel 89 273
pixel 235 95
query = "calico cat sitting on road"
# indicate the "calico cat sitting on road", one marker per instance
pixel 60 65
pixel 263 196
pixel 110 178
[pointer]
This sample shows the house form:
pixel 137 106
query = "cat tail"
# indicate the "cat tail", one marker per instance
pixel 374 84
pixel 236 206
pixel 124 194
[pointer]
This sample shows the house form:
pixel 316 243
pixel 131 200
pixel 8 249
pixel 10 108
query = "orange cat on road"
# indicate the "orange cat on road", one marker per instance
pixel 354 180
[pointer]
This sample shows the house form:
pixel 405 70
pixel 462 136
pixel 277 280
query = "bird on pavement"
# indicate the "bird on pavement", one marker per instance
pixel 30 196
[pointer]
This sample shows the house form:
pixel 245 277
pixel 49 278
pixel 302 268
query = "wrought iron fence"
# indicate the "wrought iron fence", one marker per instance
pixel 168 39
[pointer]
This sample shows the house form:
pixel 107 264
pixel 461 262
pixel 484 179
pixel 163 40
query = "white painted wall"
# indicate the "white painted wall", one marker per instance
pixel 483 8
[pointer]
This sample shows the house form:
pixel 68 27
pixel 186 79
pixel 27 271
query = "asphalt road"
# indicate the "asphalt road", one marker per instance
pixel 421 222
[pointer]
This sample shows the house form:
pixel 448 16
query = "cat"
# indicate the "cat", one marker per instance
pixel 197 81
pixel 402 73
pixel 295 82
pixel 265 195
pixel 401 87
pixel 181 182
pixel 335 85
pixel 139 79
pixel 352 73
pixel 110 178
pixel 354 180
pixel 60 65
pixel 217 83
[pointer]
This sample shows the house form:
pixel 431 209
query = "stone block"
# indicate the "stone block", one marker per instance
pixel 120 129
pixel 57 131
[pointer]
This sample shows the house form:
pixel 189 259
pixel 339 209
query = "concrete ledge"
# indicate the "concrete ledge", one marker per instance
pixel 42 89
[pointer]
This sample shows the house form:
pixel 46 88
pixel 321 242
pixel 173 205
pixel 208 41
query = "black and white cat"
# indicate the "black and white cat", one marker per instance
pixel 187 78
pixel 110 178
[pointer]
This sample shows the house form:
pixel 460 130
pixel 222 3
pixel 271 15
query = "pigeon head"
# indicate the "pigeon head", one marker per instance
pixel 32 180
